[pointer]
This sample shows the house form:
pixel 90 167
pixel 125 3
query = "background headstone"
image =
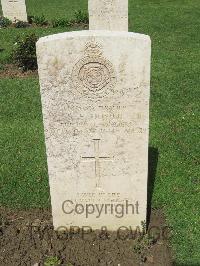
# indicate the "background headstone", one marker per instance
pixel 15 10
pixel 95 99
pixel 108 15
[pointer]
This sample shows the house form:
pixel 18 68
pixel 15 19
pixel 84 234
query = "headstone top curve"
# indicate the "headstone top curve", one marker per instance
pixel 95 33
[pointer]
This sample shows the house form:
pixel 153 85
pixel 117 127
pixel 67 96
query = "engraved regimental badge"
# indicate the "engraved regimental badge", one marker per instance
pixel 93 75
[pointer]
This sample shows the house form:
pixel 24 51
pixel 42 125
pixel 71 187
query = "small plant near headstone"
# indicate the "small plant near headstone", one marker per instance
pixel 5 22
pixel 81 17
pixel 30 19
pixel 39 20
pixel 52 261
pixel 21 24
pixel 142 245
pixel 61 22
pixel 2 67
pixel 24 52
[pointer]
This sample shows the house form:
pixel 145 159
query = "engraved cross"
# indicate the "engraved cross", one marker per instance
pixel 97 159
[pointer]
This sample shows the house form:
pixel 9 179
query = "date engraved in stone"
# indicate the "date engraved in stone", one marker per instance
pixel 93 75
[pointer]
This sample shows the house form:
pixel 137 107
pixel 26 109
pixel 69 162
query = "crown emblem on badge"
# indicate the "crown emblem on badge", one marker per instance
pixel 93 49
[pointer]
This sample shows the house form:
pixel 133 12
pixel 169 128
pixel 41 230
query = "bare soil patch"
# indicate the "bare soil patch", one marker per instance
pixel 28 238
pixel 11 71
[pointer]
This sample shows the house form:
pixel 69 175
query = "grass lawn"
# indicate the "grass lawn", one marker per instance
pixel 174 29
pixel 54 8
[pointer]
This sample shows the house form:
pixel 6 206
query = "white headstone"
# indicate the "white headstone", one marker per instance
pixel 95 88
pixel 108 15
pixel 15 10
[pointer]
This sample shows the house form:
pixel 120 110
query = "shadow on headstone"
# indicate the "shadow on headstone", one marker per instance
pixel 152 167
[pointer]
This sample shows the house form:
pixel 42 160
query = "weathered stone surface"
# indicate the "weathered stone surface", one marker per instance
pixel 95 100
pixel 14 9
pixel 108 15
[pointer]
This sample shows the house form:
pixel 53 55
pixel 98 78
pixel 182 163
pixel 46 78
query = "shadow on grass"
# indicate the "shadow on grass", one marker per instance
pixel 152 167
